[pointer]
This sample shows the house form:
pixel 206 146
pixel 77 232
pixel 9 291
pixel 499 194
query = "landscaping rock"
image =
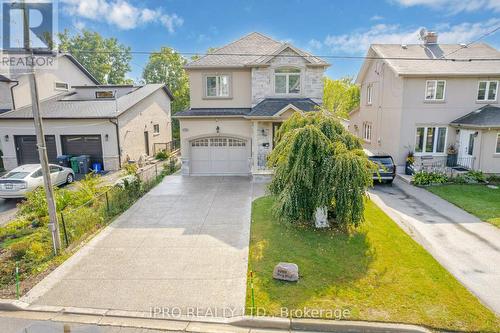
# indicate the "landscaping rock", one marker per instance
pixel 321 218
pixel 286 271
pixel 493 187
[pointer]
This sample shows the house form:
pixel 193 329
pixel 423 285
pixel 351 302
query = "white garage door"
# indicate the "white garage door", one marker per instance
pixel 219 156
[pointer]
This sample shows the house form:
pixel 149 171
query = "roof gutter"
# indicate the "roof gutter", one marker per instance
pixel 12 93
pixel 114 121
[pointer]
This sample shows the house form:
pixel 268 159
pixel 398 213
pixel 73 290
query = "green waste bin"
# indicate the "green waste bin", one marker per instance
pixel 74 164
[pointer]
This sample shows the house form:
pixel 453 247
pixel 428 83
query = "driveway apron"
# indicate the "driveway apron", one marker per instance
pixel 183 247
pixel 467 247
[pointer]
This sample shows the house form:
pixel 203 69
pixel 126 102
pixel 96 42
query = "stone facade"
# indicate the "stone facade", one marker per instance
pixel 311 78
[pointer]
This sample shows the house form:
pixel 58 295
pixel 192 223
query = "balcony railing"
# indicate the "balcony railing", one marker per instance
pixel 441 163
pixel 169 147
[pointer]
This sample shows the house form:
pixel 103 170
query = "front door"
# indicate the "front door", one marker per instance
pixel 146 142
pixel 466 148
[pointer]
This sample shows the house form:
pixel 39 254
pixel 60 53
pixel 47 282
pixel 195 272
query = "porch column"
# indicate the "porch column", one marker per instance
pixel 255 148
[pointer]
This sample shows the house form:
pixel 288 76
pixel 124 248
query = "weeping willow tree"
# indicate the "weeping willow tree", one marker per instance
pixel 318 164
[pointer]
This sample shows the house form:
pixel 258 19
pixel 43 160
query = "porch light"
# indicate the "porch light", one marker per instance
pixel 476 134
pixel 106 137
pixel 217 129
pixel 6 138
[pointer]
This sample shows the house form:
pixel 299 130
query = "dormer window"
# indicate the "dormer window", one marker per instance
pixel 61 86
pixel 287 80
pixel 104 94
pixel 217 86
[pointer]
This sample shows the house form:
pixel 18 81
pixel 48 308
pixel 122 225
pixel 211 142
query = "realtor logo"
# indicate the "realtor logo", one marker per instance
pixel 29 23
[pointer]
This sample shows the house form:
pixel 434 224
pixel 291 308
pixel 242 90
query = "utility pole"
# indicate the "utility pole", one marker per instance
pixel 40 139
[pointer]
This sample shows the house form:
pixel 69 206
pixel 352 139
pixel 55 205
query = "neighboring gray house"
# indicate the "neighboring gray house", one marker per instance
pixel 111 123
pixel 240 94
pixel 429 106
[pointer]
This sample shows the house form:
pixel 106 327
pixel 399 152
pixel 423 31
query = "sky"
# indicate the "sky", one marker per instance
pixel 320 26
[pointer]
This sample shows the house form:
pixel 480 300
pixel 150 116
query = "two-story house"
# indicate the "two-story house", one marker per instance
pixel 439 101
pixel 110 123
pixel 240 94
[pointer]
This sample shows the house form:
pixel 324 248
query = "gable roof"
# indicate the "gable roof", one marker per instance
pixel 271 106
pixel 456 64
pixel 3 78
pixel 250 50
pixel 487 116
pixel 80 67
pixel 58 107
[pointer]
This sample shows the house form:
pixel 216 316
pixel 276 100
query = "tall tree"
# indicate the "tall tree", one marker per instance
pixel 105 58
pixel 340 96
pixel 167 66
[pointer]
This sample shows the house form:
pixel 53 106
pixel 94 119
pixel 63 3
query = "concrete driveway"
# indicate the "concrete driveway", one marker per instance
pixel 184 245
pixel 8 209
pixel 467 247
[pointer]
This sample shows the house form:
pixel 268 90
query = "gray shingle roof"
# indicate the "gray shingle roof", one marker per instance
pixel 267 108
pixel 270 106
pixel 487 116
pixel 203 112
pixel 435 51
pixel 58 107
pixel 3 78
pixel 251 49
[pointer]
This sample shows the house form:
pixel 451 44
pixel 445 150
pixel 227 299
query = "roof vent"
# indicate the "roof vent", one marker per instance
pixel 404 46
pixel 463 45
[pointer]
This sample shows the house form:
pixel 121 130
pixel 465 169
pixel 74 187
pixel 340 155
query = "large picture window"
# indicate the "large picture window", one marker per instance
pixel 434 90
pixel 430 139
pixel 217 86
pixel 287 80
pixel 487 91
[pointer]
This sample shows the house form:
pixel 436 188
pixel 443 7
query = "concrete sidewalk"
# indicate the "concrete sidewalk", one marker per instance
pixel 183 245
pixel 467 247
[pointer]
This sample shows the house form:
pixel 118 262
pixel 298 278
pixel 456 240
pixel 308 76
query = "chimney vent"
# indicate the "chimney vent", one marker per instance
pixel 430 38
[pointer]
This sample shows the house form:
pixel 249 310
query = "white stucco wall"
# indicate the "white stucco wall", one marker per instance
pixel 489 160
pixel 58 128
pixel 155 109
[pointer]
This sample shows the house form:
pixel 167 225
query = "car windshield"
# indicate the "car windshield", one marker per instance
pixel 382 160
pixel 16 175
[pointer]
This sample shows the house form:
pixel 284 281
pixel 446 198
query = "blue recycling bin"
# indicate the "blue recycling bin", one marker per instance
pixel 97 167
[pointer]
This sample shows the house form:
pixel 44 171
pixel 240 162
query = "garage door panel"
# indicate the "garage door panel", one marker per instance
pixel 83 145
pixel 27 150
pixel 219 155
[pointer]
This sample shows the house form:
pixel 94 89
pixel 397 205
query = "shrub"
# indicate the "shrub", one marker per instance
pixel 162 155
pixel 130 168
pixel 476 176
pixel 422 178
pixel 19 248
pixel 494 179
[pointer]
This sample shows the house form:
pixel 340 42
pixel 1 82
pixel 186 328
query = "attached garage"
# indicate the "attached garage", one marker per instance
pixel 220 156
pixel 27 151
pixel 83 145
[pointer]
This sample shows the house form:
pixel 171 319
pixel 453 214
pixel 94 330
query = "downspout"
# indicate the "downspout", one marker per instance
pixel 114 121
pixel 12 94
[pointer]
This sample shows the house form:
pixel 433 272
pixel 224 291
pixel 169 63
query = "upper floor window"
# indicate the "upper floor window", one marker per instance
pixel 104 94
pixel 369 94
pixel 434 90
pixel 217 86
pixel 498 144
pixel 287 80
pixel 430 139
pixel 61 86
pixel 156 129
pixel 487 90
pixel 367 131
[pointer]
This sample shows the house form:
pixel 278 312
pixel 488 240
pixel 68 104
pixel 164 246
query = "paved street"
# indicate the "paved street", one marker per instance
pixel 464 245
pixel 183 245
pixel 7 210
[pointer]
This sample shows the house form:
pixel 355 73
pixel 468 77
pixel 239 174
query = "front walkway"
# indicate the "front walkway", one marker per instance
pixel 467 247
pixel 184 245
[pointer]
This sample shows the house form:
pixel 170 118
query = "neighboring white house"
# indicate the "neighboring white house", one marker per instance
pixel 240 94
pixel 412 102
pixel 111 123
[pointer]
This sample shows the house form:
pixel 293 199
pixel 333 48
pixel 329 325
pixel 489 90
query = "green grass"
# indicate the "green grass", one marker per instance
pixel 478 200
pixel 378 273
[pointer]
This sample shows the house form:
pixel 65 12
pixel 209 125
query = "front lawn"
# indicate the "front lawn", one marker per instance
pixel 479 200
pixel 377 273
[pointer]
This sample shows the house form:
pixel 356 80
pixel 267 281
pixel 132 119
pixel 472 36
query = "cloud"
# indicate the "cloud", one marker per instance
pixel 120 13
pixel 315 44
pixel 359 41
pixel 454 6
pixel 376 18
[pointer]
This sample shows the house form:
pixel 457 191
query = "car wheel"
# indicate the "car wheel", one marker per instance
pixel 70 179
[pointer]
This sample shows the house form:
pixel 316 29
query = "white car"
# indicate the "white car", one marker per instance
pixel 25 178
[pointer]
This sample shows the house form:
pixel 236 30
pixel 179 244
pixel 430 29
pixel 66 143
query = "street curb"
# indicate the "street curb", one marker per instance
pixel 197 324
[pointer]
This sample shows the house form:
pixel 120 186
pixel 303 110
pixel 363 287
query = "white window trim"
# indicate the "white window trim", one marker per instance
pixel 434 144
pixel 435 92
pixel 61 89
pixel 154 129
pixel 369 94
pixel 287 81
pixel 486 91
pixel 205 85
pixel 367 128
pixel 496 144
